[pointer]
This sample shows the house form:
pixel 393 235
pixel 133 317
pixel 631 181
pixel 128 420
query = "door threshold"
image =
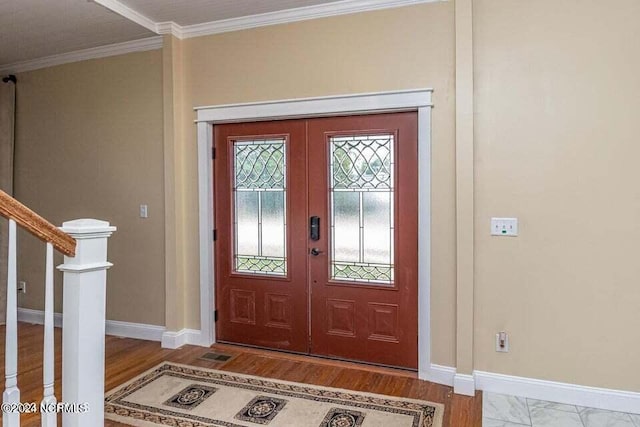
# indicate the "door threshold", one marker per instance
pixel 324 360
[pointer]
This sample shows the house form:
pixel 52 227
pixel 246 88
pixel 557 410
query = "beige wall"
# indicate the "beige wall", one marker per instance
pixel 173 108
pixel 89 144
pixel 557 101
pixel 404 48
pixel 464 168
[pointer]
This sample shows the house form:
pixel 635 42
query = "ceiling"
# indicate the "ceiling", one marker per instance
pixel 32 29
pixel 190 12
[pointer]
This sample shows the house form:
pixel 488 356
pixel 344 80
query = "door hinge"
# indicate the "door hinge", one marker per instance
pixel 215 235
pixel 215 315
pixel 213 153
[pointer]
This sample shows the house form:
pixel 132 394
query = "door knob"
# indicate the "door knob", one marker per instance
pixel 315 251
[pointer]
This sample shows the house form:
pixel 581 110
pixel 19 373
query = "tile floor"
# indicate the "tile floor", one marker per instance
pixel 499 410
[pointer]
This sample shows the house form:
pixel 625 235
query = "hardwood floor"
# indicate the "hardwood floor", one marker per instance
pixel 126 358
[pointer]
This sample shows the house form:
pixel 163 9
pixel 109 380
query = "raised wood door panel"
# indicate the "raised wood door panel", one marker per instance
pixel 364 308
pixel 261 266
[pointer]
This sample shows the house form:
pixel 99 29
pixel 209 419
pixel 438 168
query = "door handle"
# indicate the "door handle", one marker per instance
pixel 315 251
pixel 314 228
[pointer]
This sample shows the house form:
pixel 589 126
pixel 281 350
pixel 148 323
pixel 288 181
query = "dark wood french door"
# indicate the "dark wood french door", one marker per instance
pixel 261 228
pixel 316 247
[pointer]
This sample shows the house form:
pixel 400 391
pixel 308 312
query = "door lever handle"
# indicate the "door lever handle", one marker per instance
pixel 315 251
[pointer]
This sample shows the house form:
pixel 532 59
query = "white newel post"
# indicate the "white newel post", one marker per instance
pixel 83 322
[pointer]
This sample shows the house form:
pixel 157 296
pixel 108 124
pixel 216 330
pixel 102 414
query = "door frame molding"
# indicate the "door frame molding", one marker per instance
pixel 367 103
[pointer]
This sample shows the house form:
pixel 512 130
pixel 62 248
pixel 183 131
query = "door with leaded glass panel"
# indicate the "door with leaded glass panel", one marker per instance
pixel 363 185
pixel 261 247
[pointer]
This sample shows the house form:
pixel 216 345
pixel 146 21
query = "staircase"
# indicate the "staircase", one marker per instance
pixel 84 245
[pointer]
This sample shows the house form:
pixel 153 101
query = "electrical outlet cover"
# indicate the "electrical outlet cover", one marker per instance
pixel 504 227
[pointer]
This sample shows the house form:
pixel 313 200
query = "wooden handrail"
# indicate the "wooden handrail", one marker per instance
pixel 10 208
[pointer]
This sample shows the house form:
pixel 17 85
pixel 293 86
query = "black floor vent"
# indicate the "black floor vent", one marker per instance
pixel 218 357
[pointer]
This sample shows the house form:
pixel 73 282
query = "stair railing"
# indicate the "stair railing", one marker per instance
pixel 84 244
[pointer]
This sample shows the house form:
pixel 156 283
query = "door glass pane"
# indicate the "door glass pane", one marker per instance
pixel 260 207
pixel 346 226
pixel 273 224
pixel 247 222
pixel 378 231
pixel 361 198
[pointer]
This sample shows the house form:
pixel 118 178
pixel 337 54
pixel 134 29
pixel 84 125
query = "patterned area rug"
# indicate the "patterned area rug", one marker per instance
pixel 188 396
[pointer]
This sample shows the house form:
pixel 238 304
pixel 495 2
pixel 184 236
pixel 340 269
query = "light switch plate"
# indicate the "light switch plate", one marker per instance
pixel 144 211
pixel 502 342
pixel 504 226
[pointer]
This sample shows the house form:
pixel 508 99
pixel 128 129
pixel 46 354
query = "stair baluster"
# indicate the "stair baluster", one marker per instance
pixel 49 418
pixel 11 395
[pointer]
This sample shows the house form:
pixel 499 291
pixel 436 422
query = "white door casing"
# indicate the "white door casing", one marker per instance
pixel 369 103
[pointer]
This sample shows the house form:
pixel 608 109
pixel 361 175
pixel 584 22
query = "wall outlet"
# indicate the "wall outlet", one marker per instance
pixel 504 226
pixel 502 342
pixel 22 287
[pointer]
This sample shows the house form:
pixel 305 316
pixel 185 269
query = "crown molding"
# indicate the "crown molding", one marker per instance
pixel 150 43
pixel 169 27
pixel 126 12
pixel 343 7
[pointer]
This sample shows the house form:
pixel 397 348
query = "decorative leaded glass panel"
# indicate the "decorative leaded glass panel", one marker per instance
pixel 260 207
pixel 360 163
pixel 361 198
pixel 260 165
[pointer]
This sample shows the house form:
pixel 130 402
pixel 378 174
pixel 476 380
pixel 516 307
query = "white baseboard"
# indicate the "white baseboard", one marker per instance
pixel 464 384
pixel 571 394
pixel 117 328
pixel 138 331
pixel 440 375
pixel 37 317
pixel 178 339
